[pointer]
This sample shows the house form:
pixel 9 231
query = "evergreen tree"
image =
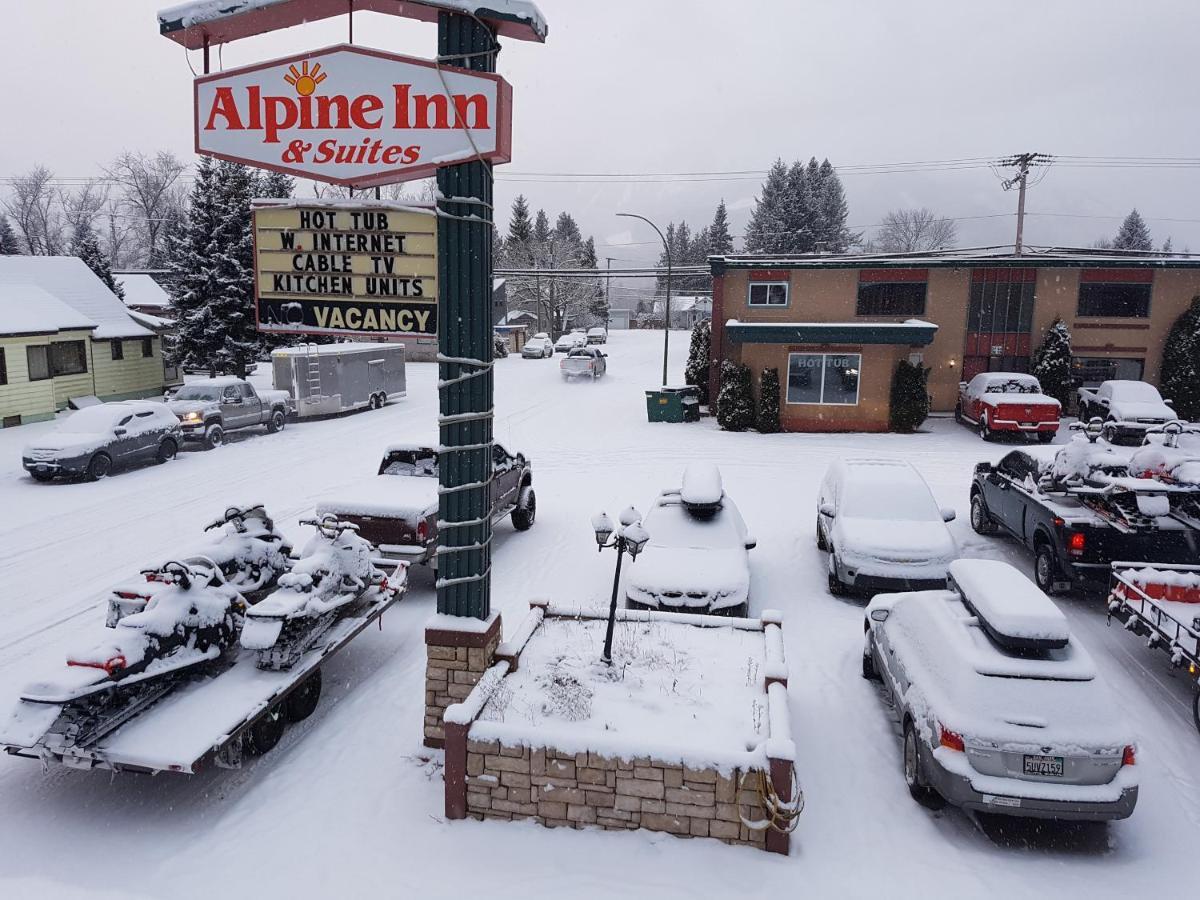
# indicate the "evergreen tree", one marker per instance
pixel 520 229
pixel 597 303
pixel 8 239
pixel 802 209
pixel 768 402
pixel 274 185
pixel 196 280
pixel 735 403
pixel 1180 379
pixel 832 212
pixel 86 247
pixel 910 397
pixel 696 371
pixel 541 228
pixel 1133 234
pixel 1052 362
pixel 233 310
pixel 720 241
pixel 765 232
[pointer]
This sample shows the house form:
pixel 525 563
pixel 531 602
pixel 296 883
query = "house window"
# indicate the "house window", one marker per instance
pixel 68 358
pixel 892 292
pixel 1114 300
pixel 825 378
pixel 38 360
pixel 147 347
pixel 769 293
pixel 118 349
pixel 3 368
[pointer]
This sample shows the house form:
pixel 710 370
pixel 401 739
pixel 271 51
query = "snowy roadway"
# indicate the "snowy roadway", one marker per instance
pixel 349 804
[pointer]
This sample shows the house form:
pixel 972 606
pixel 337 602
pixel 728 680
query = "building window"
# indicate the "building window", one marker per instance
pixel 826 378
pixel 147 347
pixel 38 360
pixel 68 358
pixel 1115 300
pixel 1092 371
pixel 892 292
pixel 3 368
pixel 769 293
pixel 118 349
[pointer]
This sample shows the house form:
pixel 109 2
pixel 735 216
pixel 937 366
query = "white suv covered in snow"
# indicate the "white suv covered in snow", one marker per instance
pixel 882 528
pixel 1001 708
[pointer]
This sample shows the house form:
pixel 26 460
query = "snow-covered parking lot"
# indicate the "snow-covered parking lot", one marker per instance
pixel 350 803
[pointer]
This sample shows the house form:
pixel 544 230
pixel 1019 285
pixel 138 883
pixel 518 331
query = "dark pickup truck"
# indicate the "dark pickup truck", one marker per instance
pixel 1075 532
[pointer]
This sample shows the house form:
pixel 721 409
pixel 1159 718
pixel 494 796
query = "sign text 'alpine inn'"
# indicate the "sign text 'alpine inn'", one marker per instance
pixel 353 116
pixel 348 267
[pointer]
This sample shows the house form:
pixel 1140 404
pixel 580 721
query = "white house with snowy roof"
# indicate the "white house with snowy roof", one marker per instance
pixel 63 334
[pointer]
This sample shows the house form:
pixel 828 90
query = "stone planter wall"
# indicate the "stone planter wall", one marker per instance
pixel 455 661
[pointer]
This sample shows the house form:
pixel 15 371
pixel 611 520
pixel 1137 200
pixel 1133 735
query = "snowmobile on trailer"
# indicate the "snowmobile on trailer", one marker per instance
pixel 248 551
pixel 334 572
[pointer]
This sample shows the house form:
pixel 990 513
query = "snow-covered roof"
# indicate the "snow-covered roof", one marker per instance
pixel 27 309
pixel 154 322
pixel 70 281
pixel 518 314
pixel 1000 257
pixel 142 290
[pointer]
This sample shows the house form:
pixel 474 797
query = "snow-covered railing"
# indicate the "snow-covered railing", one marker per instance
pixel 701 620
pixel 466 711
pixel 510 650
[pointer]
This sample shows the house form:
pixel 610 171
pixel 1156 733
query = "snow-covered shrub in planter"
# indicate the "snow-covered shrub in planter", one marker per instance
pixel 696 371
pixel 1180 379
pixel 1052 362
pixel 768 402
pixel 499 347
pixel 735 403
pixel 910 397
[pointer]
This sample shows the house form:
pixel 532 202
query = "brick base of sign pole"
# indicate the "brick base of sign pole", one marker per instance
pixel 456 659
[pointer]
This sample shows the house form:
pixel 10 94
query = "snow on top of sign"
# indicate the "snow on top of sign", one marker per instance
pixel 341 203
pixel 335 349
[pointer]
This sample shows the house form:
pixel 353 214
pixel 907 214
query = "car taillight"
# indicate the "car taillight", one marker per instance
pixel 1129 755
pixel 951 740
pixel 130 595
pixel 1076 543
pixel 422 531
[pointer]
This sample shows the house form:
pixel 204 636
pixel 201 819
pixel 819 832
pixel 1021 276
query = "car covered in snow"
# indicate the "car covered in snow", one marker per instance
pixel 211 408
pixel 1128 409
pixel 569 341
pixel 697 558
pixel 94 441
pixel 584 362
pixel 397 510
pixel 882 529
pixel 597 335
pixel 538 347
pixel 1001 708
pixel 1007 402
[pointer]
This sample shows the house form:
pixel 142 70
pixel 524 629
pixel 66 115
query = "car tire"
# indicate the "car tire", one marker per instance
pixel 985 430
pixel 836 588
pixel 277 422
pixel 301 703
pixel 1196 708
pixel 1046 437
pixel 981 519
pixel 214 436
pixel 526 510
pixel 958 415
pixel 1045 568
pixel 99 466
pixel 914 775
pixel 266 732
pixel 869 671
pixel 166 451
pixel 822 544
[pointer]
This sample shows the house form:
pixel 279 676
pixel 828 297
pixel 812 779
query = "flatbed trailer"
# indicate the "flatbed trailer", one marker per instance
pixel 1161 602
pixel 213 717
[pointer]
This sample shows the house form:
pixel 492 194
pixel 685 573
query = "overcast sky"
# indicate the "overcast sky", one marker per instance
pixel 637 86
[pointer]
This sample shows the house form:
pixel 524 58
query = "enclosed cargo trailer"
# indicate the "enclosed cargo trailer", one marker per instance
pixel 328 379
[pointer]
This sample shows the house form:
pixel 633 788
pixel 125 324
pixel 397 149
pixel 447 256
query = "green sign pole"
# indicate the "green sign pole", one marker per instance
pixel 465 352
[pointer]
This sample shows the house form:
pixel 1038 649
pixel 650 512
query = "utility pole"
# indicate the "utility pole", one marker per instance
pixel 607 290
pixel 1023 162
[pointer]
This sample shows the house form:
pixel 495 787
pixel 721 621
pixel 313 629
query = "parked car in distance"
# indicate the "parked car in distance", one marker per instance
pixel 1002 710
pixel 697 558
pixel 597 335
pixel 1007 402
pixel 1128 408
pixel 211 408
pixel 569 341
pixel 882 529
pixel 584 362
pixel 538 347
pixel 397 510
pixel 96 440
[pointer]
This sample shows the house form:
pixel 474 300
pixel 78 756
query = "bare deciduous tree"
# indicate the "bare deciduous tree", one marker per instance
pixel 81 208
pixel 148 193
pixel 914 230
pixel 32 207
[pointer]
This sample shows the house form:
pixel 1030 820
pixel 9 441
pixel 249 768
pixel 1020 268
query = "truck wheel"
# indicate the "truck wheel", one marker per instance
pixel 958 416
pixel 214 436
pixel 981 521
pixel 302 701
pixel 99 467
pixel 914 777
pixel 166 451
pixel 266 732
pixel 526 511
pixel 985 431
pixel 277 423
pixel 1045 569
pixel 1046 437
pixel 1196 709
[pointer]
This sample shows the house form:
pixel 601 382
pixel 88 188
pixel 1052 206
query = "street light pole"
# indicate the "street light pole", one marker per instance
pixel 631 537
pixel 667 307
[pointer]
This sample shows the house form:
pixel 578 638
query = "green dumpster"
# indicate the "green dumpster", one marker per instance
pixel 673 404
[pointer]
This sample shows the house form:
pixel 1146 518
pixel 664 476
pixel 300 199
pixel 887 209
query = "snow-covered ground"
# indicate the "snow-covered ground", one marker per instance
pixel 350 804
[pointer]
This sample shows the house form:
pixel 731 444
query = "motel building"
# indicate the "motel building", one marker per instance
pixel 836 326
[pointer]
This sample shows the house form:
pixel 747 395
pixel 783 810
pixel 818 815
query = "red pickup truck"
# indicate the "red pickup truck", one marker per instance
pixel 1007 402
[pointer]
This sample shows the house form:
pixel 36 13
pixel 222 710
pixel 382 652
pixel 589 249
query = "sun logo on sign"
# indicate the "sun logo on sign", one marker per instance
pixel 303 80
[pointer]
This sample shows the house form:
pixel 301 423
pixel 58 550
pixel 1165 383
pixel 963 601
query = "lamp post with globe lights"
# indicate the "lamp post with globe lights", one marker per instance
pixel 631 537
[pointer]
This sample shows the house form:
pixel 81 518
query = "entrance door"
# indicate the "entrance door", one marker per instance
pixel 999 321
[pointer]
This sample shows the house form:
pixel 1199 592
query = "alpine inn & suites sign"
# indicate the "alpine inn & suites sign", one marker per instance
pixel 345 267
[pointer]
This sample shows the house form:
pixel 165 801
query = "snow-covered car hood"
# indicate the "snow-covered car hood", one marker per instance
pixel 390 496
pixel 1136 409
pixel 722 574
pixel 66 443
pixel 894 541
pixel 183 407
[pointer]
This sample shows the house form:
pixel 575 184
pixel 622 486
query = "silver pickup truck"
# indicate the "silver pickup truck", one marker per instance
pixel 1128 409
pixel 210 408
